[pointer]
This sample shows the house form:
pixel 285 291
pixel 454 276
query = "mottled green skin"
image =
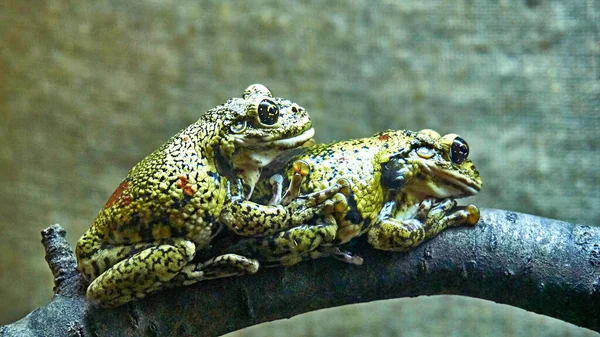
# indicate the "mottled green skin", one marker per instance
pixel 393 191
pixel 174 202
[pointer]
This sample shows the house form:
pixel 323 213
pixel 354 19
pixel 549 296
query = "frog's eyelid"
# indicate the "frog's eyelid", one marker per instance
pixel 256 89
pixel 425 152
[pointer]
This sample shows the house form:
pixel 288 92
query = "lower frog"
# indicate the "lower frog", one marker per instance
pixel 403 189
pixel 176 200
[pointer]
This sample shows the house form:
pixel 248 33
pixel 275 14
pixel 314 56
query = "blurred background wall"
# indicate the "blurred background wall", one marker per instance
pixel 88 88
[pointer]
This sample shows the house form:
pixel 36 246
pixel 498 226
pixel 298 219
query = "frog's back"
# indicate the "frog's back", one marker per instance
pixel 174 192
pixel 352 160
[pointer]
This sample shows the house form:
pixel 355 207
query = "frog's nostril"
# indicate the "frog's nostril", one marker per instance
pixel 294 109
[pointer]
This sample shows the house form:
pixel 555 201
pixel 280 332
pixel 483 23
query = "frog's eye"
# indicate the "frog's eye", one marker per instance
pixel 238 127
pixel 459 151
pixel 268 112
pixel 425 152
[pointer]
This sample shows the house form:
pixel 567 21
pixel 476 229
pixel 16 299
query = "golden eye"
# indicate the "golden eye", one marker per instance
pixel 425 152
pixel 239 127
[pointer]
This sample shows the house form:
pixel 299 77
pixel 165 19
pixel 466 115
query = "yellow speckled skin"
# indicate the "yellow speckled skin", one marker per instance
pixel 402 182
pixel 174 201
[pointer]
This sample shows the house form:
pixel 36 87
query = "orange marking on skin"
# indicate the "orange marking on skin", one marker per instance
pixel 384 137
pixel 182 181
pixel 117 193
pixel 125 200
pixel 185 138
pixel 185 186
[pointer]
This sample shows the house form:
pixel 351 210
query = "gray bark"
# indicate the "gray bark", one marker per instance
pixel 542 265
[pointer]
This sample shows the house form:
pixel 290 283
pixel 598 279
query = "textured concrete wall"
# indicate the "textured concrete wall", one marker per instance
pixel 88 88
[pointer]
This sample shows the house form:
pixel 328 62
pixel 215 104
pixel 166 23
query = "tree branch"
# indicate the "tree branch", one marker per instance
pixel 542 265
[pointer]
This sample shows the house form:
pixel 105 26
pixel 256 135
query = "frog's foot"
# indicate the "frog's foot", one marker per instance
pixel 288 247
pixel 447 213
pixel 225 265
pixel 431 218
pixel 142 273
pixel 335 252
pixel 466 215
pixel 332 200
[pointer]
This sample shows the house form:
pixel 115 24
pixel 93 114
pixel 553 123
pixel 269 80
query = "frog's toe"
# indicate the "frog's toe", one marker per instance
pixel 301 167
pixel 445 205
pixel 463 215
pixel 339 254
pixel 424 208
pixel 277 187
pixel 340 203
pixel 350 258
pixel 473 214
pixel 344 186
pixel 441 209
pixel 228 265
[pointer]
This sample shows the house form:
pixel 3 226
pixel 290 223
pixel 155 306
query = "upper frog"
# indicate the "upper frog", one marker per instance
pixel 403 184
pixel 174 201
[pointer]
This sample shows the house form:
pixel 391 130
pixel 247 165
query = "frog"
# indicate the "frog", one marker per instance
pixel 174 202
pixel 404 186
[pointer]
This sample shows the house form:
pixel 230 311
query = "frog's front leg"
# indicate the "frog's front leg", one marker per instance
pixel 300 170
pixel 247 218
pixel 392 234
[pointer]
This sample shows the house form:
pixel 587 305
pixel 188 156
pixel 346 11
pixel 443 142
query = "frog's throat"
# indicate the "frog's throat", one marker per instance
pixel 249 163
pixel 448 182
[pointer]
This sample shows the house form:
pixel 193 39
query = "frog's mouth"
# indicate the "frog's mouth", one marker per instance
pixel 447 182
pixel 288 143
pixel 260 152
pixel 271 142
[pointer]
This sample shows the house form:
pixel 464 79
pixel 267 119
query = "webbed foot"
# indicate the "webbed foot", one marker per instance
pixel 389 233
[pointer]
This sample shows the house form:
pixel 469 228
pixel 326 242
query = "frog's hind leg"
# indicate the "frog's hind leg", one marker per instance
pixel 225 265
pixel 290 246
pixel 145 271
pixel 392 234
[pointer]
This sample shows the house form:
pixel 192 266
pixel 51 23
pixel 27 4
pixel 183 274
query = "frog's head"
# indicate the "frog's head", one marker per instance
pixel 251 131
pixel 428 165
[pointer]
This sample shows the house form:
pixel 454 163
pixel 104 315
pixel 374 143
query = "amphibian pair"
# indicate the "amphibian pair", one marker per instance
pixel 208 176
pixel 403 189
